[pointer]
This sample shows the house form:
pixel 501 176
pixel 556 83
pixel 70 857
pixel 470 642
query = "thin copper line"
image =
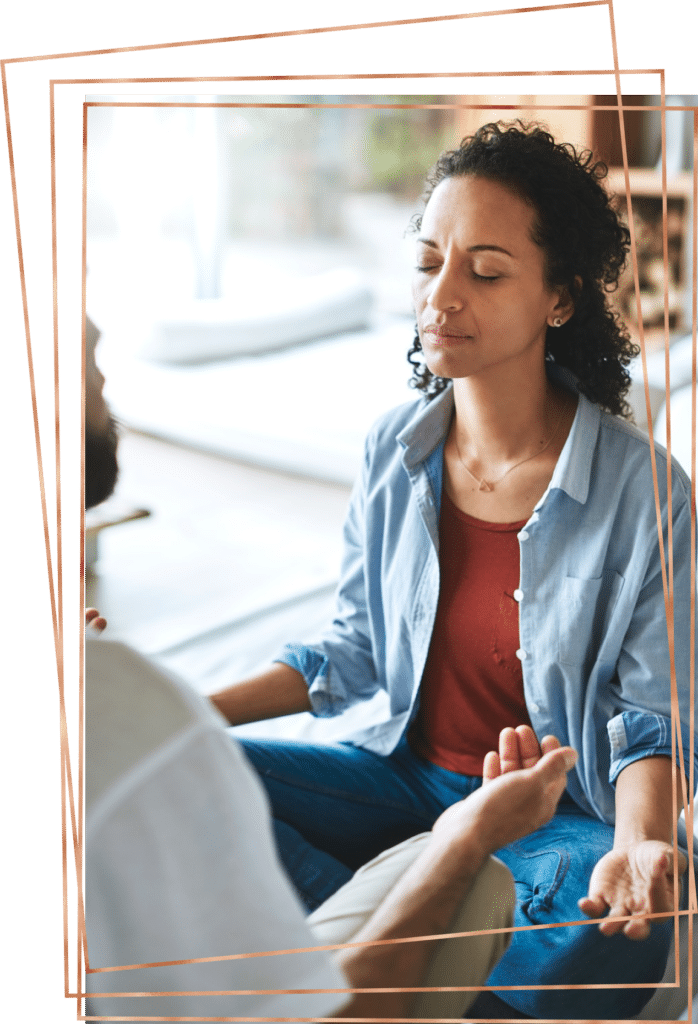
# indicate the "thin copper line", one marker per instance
pixel 668 601
pixel 667 366
pixel 42 490
pixel 527 928
pixel 82 935
pixel 384 942
pixel 511 76
pixel 65 745
pixel 692 599
pixel 308 31
pixel 64 853
pixel 571 5
pixel 30 360
pixel 54 264
pixel 88 966
pixel 668 604
pixel 370 991
pixel 189 104
pixel 367 76
pixel 344 1020
pixel 689 965
pixel 676 735
pixel 59 660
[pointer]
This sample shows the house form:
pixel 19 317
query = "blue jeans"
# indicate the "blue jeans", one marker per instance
pixel 336 807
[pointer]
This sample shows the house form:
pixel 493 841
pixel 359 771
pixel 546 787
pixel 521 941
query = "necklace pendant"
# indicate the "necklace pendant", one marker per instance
pixel 484 486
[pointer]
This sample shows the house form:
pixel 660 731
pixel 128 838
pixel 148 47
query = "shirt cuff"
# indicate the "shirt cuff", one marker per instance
pixel 315 668
pixel 635 735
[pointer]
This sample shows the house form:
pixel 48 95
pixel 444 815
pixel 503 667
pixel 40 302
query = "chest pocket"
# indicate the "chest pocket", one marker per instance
pixel 586 607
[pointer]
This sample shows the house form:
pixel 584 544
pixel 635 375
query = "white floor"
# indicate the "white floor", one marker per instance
pixel 232 563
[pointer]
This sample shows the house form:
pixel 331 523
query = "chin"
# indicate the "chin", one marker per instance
pixel 449 369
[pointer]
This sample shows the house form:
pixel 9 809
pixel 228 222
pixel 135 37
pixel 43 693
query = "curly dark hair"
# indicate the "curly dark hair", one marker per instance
pixel 581 235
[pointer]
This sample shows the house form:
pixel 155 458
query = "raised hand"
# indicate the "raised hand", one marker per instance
pixel 518 748
pixel 516 801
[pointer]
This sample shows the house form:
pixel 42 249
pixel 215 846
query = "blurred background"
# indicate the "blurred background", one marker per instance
pixel 249 267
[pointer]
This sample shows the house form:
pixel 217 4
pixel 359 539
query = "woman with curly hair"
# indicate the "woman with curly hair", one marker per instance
pixel 502 581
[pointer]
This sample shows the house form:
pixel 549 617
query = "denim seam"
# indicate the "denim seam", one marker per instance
pixel 557 881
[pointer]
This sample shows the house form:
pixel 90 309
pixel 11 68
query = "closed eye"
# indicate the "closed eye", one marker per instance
pixel 486 277
pixel 426 270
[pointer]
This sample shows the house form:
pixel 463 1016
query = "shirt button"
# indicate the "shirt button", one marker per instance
pixel 523 535
pixel 518 595
pixel 521 654
pixel 534 707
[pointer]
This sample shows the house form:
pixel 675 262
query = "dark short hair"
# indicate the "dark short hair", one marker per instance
pixel 101 464
pixel 582 237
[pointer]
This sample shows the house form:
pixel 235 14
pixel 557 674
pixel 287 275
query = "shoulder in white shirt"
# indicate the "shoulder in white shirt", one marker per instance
pixel 180 858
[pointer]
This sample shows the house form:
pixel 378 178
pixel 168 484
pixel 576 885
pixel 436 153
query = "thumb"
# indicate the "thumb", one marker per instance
pixel 555 762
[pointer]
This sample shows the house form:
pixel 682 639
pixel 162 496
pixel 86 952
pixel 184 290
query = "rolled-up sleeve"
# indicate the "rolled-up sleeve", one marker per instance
pixel 634 735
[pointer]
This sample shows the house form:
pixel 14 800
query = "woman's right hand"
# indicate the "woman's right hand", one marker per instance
pixel 520 793
pixel 518 748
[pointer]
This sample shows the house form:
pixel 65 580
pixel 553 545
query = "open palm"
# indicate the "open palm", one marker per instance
pixel 637 879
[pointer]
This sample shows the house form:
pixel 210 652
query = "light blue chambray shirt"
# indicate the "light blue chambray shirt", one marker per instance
pixel 592 620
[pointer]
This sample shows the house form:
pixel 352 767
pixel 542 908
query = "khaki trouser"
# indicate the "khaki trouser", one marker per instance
pixel 460 961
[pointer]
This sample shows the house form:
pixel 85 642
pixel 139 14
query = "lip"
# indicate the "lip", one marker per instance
pixel 447 333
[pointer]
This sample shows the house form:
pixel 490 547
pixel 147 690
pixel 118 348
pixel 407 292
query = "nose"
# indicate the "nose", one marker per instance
pixel 446 293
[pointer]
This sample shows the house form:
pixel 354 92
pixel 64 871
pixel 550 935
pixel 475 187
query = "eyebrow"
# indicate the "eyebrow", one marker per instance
pixel 473 248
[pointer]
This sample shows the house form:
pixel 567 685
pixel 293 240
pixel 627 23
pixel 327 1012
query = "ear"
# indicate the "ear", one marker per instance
pixel 563 308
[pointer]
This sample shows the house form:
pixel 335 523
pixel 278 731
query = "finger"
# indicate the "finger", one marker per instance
pixel 549 743
pixel 90 614
pixel 610 926
pixel 509 753
pixel 593 906
pixel 556 763
pixel 529 747
pixel 638 929
pixel 490 767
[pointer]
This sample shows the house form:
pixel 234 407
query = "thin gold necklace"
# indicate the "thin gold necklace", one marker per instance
pixel 485 485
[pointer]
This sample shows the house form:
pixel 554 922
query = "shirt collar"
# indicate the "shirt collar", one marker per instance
pixel 572 473
pixel 427 429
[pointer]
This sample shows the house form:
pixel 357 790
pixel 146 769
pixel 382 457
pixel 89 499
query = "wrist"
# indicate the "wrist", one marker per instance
pixel 460 851
pixel 645 803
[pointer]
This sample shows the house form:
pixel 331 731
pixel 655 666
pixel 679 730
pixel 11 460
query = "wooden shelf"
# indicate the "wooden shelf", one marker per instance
pixel 645 181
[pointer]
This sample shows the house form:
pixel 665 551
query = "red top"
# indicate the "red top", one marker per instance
pixel 473 684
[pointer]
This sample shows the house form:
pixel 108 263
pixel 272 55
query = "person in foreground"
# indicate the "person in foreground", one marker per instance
pixel 172 877
pixel 502 567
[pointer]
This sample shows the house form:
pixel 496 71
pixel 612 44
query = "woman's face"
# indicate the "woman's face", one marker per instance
pixel 479 286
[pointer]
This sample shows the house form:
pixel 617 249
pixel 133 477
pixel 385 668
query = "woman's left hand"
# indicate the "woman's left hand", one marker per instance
pixel 637 879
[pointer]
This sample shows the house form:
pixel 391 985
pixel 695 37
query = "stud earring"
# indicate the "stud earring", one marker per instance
pixel 557 322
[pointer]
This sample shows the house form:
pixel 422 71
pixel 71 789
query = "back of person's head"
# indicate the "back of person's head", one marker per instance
pixel 101 438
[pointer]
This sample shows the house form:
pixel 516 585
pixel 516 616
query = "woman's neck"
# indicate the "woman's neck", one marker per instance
pixel 504 443
pixel 498 421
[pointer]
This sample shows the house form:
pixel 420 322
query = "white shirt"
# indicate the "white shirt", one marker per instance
pixel 180 858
